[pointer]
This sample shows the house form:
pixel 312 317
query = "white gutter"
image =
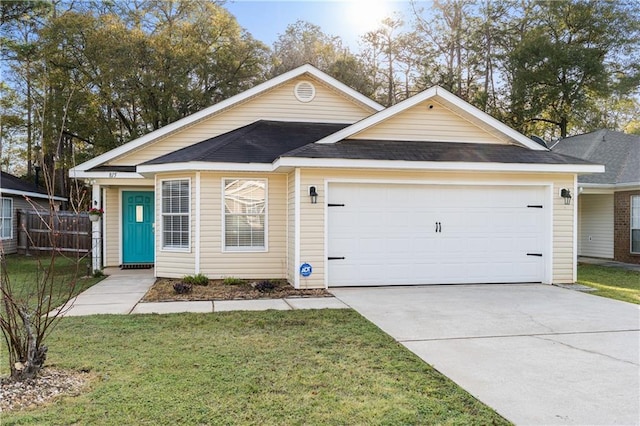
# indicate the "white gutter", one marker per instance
pixel 32 194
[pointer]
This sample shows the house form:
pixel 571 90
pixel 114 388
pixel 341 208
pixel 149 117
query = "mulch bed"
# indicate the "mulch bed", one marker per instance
pixel 163 291
pixel 51 383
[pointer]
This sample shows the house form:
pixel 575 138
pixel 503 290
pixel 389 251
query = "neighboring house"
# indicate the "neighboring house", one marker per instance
pixel 303 178
pixel 608 203
pixel 17 194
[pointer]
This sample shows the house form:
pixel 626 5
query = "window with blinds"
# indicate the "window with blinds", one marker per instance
pixel 175 214
pixel 635 224
pixel 244 214
pixel 6 218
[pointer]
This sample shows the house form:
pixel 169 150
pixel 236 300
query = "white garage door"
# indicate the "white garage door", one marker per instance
pixel 417 234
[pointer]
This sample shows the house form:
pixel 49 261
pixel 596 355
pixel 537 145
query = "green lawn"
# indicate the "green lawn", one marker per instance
pixel 611 282
pixel 295 367
pixel 25 271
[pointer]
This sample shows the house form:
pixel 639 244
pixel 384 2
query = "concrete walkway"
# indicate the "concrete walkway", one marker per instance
pixel 537 354
pixel 121 291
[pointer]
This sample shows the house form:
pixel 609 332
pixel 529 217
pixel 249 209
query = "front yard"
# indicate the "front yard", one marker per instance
pixel 296 367
pixel 69 276
pixel 613 283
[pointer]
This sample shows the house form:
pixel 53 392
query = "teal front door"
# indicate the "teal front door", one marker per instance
pixel 137 227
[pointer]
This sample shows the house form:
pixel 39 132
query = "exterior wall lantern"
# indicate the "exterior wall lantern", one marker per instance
pixel 566 194
pixel 313 194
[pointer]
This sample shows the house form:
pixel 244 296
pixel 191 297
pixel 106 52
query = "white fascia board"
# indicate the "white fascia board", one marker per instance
pixel 378 117
pixel 433 92
pixel 340 86
pixel 79 174
pixel 489 120
pixel 630 186
pixel 205 166
pixel 436 165
pixel 31 194
pixel 205 113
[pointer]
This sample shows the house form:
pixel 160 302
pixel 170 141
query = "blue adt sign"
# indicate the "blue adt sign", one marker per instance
pixel 305 269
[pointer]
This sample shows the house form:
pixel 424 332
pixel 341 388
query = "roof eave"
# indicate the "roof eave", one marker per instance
pixel 421 97
pixel 191 166
pixel 79 174
pixel 32 194
pixel 200 115
pixel 286 162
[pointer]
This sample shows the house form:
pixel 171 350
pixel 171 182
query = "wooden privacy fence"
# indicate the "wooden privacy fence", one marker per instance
pixel 65 232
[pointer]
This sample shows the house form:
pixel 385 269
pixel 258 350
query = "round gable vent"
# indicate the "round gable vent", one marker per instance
pixel 305 91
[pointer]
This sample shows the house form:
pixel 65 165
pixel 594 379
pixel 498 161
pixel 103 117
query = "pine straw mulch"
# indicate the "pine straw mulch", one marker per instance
pixel 162 291
pixel 50 384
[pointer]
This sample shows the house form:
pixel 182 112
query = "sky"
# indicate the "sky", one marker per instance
pixel 349 19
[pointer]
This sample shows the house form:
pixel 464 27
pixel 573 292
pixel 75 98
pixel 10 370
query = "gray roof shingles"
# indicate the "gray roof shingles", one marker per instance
pixel 619 152
pixel 265 141
pixel 9 181
pixel 259 142
pixel 357 149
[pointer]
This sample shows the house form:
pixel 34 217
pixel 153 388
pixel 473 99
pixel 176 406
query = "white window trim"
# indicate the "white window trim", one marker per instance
pixel 631 228
pixel 11 217
pixel 163 248
pixel 264 249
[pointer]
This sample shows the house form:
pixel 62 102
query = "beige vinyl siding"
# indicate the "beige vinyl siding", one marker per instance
pixel 312 218
pixel 214 261
pixel 563 232
pixel 291 227
pixel 112 226
pixel 172 263
pixel 595 225
pixel 279 103
pixel 421 123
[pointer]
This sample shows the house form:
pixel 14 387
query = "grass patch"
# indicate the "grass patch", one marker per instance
pixel 295 367
pixel 24 271
pixel 614 283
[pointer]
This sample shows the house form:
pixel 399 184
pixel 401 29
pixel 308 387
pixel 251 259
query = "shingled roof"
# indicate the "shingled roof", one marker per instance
pixel 15 185
pixel 356 149
pixel 265 141
pixel 259 142
pixel 619 152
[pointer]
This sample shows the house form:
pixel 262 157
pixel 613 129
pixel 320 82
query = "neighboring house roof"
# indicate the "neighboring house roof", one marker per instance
pixel 259 142
pixel 619 152
pixel 431 151
pixel 220 106
pixel 13 185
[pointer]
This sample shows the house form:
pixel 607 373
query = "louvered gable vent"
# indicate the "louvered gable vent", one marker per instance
pixel 305 91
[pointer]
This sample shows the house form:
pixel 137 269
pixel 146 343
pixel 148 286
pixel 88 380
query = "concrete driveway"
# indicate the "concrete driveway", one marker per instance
pixel 537 354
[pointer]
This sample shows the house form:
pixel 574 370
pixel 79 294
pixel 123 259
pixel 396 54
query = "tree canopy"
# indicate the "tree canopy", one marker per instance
pixel 85 77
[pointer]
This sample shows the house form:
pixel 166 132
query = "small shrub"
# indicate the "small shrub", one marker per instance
pixel 98 273
pixel 199 279
pixel 264 286
pixel 232 281
pixel 182 288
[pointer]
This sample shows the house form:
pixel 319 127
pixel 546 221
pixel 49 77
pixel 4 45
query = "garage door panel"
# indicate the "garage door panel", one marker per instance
pixel 389 234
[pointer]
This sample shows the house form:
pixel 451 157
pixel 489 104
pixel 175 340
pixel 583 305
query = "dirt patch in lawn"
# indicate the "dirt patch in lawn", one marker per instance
pixel 163 291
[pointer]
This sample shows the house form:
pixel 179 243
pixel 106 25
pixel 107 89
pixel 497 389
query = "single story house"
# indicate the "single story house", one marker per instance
pixel 608 203
pixel 17 194
pixel 303 178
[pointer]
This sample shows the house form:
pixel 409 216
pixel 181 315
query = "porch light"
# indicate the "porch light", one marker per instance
pixel 313 194
pixel 566 194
